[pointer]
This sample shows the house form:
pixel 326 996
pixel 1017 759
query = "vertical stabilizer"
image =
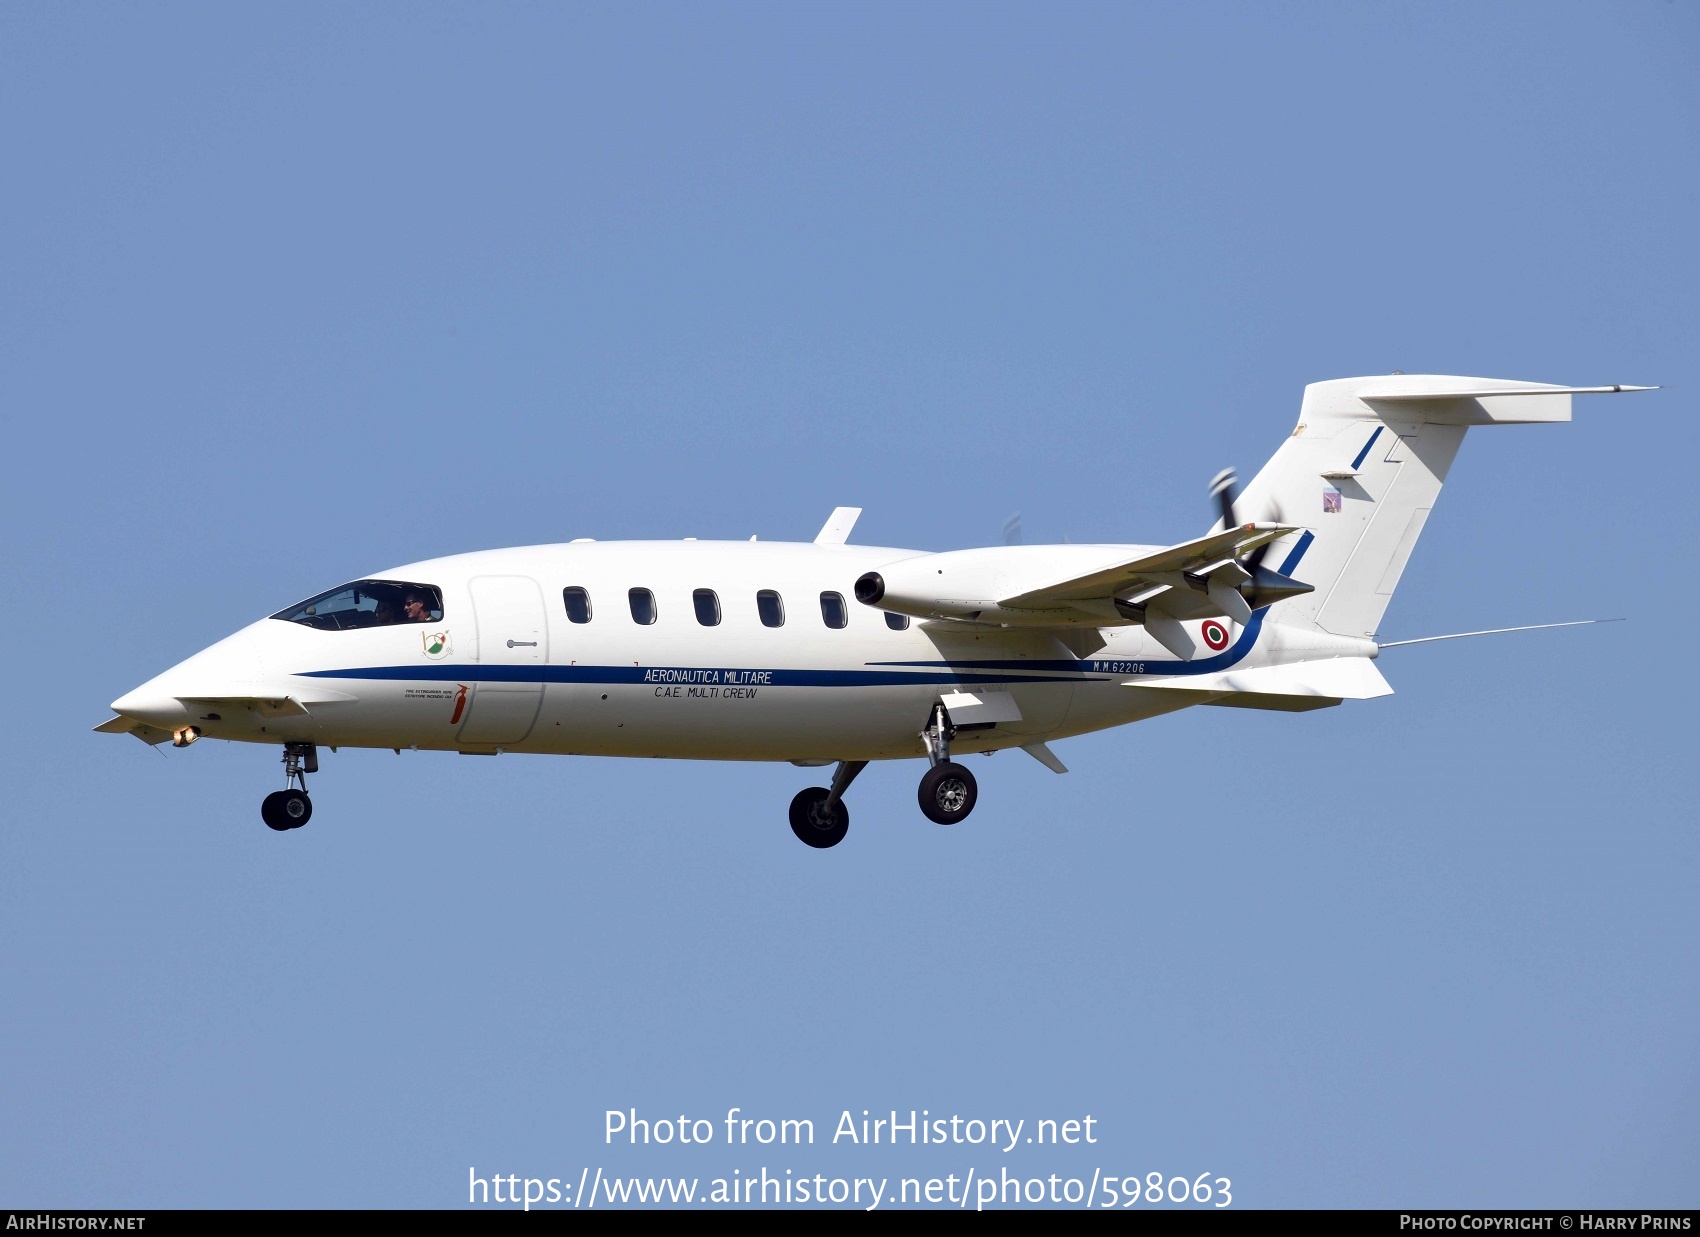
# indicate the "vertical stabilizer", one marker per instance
pixel 1363 469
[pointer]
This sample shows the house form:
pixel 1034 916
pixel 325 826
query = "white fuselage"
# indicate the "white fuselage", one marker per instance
pixel 504 668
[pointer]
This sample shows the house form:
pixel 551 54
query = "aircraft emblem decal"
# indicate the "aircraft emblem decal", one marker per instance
pixel 1331 502
pixel 436 644
pixel 1215 635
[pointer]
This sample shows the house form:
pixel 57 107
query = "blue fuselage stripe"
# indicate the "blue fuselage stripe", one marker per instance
pixel 739 677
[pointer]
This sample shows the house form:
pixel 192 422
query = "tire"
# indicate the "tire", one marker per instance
pixel 286 809
pixel 297 807
pixel 947 793
pixel 807 823
pixel 271 811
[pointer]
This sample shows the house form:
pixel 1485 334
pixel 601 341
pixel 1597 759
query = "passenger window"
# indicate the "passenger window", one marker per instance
pixel 643 605
pixel 708 607
pixel 578 604
pixel 897 622
pixel 368 603
pixel 771 608
pixel 832 610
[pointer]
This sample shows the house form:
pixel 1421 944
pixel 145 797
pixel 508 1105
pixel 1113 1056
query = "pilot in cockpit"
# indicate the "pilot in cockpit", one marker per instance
pixel 417 607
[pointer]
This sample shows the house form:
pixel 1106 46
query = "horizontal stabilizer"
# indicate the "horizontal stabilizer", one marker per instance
pixel 1411 397
pixel 1445 400
pixel 1335 678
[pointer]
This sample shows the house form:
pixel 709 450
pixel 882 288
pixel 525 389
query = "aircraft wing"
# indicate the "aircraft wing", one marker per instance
pixel 1119 577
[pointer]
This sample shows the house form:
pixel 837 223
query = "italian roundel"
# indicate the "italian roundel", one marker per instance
pixel 1215 634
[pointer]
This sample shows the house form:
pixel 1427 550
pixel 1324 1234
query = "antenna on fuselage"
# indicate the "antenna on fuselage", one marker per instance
pixel 836 530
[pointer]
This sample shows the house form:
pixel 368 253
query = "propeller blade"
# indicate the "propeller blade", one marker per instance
pixel 1265 586
pixel 1254 560
pixel 1222 490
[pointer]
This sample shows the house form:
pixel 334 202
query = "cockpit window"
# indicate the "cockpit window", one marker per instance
pixel 368 603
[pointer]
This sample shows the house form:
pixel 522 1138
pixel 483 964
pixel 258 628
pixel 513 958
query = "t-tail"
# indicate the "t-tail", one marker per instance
pixel 1361 472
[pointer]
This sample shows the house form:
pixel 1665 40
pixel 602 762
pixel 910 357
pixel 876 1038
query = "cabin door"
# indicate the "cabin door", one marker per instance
pixel 513 649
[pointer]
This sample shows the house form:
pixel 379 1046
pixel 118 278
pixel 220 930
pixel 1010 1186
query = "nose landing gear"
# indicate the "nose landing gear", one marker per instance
pixel 291 808
pixel 947 791
pixel 286 809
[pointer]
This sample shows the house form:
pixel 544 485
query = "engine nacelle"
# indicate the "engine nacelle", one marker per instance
pixel 966 585
pixel 973 586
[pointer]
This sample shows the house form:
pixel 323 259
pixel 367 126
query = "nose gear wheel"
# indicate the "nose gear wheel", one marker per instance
pixel 286 809
pixel 291 808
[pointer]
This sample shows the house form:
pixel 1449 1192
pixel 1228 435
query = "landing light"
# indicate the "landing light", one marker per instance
pixel 185 735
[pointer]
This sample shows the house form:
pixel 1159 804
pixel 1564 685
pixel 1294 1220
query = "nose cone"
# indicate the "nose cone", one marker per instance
pixel 227 669
pixel 153 703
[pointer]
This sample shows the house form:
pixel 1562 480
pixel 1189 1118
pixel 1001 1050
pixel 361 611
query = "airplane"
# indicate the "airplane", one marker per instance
pixel 828 653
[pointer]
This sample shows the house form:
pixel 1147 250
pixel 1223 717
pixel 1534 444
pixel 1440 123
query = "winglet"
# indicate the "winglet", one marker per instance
pixel 836 530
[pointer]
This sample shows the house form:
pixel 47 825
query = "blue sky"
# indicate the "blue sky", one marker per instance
pixel 294 295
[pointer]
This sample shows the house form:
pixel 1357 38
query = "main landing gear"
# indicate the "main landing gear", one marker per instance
pixel 947 790
pixel 820 819
pixel 818 815
pixel 291 808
